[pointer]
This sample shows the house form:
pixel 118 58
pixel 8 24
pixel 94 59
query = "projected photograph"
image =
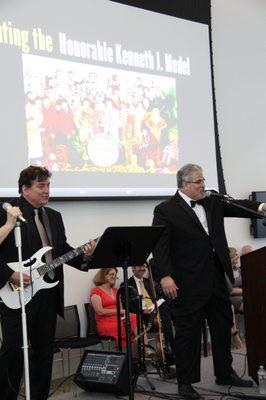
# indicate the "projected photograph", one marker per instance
pixel 89 118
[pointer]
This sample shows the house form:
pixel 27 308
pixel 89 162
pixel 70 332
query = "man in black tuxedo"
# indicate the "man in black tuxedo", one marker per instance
pixel 191 261
pixel 42 310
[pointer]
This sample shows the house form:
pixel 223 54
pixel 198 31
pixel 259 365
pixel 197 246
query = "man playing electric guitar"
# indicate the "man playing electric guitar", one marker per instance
pixel 44 227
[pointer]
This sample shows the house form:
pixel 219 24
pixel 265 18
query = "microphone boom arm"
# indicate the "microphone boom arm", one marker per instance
pixel 231 200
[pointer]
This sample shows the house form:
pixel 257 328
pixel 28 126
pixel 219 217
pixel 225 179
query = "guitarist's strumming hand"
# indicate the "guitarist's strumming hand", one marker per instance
pixel 169 287
pixel 16 280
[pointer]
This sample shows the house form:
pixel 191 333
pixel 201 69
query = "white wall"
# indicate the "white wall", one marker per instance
pixel 239 46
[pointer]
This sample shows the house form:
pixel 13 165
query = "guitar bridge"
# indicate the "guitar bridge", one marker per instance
pixel 13 287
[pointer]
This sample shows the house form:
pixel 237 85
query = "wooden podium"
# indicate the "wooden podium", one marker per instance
pixel 254 295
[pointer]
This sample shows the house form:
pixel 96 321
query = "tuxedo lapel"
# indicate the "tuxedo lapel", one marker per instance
pixel 208 214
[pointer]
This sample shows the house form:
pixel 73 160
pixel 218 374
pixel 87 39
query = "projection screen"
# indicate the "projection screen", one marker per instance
pixel 111 98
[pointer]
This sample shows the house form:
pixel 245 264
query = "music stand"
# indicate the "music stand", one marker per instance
pixel 124 246
pixel 137 299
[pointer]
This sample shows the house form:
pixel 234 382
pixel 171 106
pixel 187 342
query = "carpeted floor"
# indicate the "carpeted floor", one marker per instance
pixel 168 389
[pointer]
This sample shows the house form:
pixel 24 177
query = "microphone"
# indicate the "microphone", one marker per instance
pixel 209 193
pixel 6 206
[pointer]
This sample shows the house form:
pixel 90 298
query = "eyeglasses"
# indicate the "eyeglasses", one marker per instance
pixel 198 182
pixel 112 275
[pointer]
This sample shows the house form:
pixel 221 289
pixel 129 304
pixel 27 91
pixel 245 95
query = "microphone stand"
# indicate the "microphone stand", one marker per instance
pixel 23 313
pixel 140 341
pixel 123 262
pixel 142 369
pixel 231 200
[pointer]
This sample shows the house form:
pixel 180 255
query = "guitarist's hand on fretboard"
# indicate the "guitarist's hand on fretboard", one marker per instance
pixel 90 246
pixel 16 280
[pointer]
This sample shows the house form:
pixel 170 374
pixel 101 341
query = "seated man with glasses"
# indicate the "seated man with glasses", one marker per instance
pixel 103 299
pixel 143 287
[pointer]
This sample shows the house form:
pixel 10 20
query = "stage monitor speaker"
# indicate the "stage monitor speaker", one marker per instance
pixel 104 372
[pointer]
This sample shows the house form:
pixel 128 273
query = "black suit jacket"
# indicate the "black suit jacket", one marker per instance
pixel 185 251
pixel 31 242
pixel 147 285
pixel 133 305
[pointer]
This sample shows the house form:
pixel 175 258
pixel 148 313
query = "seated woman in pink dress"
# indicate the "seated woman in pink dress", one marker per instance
pixel 103 301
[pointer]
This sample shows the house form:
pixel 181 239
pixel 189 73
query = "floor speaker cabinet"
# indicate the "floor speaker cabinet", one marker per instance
pixel 105 372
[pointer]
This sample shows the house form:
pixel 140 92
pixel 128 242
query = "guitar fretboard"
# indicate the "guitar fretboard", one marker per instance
pixel 61 260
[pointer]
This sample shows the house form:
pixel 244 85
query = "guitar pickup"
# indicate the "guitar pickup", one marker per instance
pixel 13 287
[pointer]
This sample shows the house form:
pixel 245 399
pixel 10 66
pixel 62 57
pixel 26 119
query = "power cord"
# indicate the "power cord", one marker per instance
pixel 60 384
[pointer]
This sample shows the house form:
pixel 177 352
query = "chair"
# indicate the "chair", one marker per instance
pixel 92 329
pixel 67 335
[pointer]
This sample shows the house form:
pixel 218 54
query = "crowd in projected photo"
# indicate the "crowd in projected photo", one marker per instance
pixel 82 117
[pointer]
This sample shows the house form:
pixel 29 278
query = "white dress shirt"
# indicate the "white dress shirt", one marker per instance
pixel 199 211
pixel 137 280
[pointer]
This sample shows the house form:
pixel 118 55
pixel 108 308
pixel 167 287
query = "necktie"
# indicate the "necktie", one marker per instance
pixel 145 295
pixel 44 239
pixel 194 202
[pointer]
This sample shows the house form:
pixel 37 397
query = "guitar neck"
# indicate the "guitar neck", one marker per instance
pixel 61 260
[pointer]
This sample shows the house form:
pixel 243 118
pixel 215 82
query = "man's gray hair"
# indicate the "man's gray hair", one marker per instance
pixel 184 174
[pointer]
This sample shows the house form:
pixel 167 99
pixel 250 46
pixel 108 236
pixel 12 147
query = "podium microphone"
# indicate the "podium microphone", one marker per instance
pixel 209 193
pixel 6 206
